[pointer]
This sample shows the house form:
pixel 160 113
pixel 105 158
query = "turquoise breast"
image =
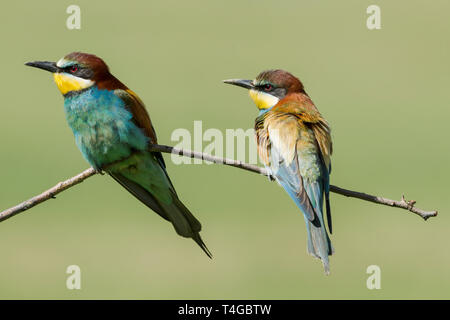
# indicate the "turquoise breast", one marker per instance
pixel 103 127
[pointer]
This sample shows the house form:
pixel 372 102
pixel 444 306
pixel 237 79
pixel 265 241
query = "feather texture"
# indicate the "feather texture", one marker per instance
pixel 113 131
pixel 294 141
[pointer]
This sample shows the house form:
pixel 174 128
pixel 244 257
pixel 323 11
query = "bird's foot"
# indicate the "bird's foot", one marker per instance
pixel 99 171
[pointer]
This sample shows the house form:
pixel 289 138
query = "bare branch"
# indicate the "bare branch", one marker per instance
pixel 208 157
pixel 50 193
pixel 403 203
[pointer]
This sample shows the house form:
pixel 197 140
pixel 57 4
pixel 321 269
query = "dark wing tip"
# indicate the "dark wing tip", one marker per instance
pixel 327 201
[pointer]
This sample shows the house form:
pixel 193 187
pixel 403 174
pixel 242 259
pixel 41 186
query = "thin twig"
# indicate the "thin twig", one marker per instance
pixel 50 193
pixel 403 203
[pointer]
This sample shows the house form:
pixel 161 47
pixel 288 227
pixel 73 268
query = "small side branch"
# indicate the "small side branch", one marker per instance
pixel 52 192
pixel 403 203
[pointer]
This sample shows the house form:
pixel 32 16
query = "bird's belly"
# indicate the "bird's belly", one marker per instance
pixel 309 163
pixel 101 144
pixel 103 128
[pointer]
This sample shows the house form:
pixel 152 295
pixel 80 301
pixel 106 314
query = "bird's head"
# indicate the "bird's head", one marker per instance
pixel 76 71
pixel 269 87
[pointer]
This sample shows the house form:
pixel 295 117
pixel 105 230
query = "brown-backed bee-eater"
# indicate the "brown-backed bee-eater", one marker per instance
pixel 294 143
pixel 113 132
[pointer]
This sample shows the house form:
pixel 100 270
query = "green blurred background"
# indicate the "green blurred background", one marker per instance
pixel 385 93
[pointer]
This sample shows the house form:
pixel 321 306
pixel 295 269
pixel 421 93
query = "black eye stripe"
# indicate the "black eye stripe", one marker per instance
pixel 80 71
pixel 72 67
pixel 265 87
pixel 275 91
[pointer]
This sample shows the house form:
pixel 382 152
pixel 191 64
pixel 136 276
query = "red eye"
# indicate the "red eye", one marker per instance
pixel 74 68
pixel 267 87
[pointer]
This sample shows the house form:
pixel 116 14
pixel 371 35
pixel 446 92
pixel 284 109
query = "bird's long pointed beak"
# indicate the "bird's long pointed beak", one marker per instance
pixel 247 84
pixel 44 65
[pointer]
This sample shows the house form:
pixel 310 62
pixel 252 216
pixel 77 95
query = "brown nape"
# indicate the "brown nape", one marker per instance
pixel 283 79
pixel 102 76
pixel 110 83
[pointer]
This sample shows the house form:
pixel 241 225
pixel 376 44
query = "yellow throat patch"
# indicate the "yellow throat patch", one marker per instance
pixel 67 82
pixel 263 100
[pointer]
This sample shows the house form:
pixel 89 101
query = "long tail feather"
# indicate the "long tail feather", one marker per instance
pixel 184 222
pixel 180 215
pixel 319 244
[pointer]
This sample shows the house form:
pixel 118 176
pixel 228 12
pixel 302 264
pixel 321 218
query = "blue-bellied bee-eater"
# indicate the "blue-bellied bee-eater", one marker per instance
pixel 294 143
pixel 113 132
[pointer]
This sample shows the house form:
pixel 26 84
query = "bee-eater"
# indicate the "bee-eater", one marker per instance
pixel 294 143
pixel 113 131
